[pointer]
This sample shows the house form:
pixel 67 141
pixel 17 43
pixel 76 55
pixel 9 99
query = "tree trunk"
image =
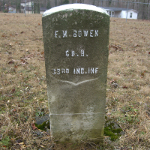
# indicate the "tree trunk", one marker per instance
pixel 93 2
pixel 18 6
pixel 55 2
pixel 36 6
pixel 48 5
pixel 65 1
pixel 144 10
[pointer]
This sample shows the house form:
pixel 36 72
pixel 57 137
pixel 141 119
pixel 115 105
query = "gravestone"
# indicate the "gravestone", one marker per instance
pixel 76 40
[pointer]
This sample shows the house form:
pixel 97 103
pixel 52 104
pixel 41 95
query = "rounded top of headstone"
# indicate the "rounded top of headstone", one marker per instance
pixel 71 7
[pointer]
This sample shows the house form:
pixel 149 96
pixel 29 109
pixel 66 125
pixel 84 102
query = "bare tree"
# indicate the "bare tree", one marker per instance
pixel 18 6
pixel 55 2
pixel 37 6
pixel 93 2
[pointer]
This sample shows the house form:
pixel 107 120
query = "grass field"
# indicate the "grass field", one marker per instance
pixel 23 94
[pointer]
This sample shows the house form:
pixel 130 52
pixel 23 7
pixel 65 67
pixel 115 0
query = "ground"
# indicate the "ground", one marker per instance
pixel 23 95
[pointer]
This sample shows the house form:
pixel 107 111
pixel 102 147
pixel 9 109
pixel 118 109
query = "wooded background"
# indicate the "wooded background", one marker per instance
pixel 142 6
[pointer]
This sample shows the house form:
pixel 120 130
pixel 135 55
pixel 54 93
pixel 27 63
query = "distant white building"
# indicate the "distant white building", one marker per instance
pixel 27 3
pixel 121 12
pixel 12 10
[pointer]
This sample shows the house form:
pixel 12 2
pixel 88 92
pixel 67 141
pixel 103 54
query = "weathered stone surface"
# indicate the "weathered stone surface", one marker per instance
pixel 76 58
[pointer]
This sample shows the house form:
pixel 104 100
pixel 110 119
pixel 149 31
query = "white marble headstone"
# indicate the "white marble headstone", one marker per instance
pixel 76 40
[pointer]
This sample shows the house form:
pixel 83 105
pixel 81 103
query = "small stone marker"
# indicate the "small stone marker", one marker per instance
pixel 76 40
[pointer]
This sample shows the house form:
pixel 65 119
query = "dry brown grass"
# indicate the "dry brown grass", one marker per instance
pixel 23 83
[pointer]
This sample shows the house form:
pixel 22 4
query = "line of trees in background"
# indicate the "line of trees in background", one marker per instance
pixel 142 6
pixel 36 4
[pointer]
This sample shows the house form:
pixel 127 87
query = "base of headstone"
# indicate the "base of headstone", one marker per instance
pixel 78 117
